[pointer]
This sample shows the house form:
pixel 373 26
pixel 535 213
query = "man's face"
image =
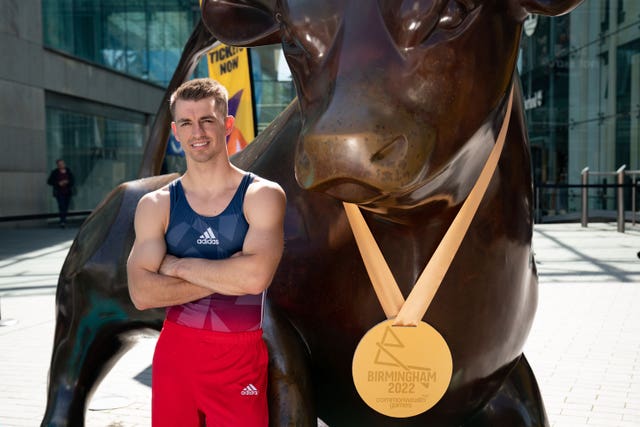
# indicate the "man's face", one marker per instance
pixel 201 128
pixel 60 164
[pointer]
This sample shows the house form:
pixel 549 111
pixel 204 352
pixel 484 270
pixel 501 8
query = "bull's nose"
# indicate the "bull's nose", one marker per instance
pixel 362 166
pixel 394 150
pixel 354 192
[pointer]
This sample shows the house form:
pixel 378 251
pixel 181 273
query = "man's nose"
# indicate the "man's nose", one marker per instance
pixel 197 129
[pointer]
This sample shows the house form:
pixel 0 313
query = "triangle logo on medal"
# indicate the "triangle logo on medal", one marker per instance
pixel 390 353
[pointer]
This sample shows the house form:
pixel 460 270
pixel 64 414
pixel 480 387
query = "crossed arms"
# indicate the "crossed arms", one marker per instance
pixel 160 280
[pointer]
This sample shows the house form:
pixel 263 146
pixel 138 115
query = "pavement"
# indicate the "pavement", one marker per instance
pixel 584 346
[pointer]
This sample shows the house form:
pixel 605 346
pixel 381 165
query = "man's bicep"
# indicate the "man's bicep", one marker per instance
pixel 263 241
pixel 149 247
pixel 147 254
pixel 266 224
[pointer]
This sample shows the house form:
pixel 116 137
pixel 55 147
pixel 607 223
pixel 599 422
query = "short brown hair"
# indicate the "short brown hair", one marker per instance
pixel 197 89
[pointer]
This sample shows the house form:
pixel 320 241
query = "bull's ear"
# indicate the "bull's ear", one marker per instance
pixel 241 22
pixel 549 7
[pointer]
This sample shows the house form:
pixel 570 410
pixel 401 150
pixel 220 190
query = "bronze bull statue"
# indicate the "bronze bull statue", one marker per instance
pixel 398 106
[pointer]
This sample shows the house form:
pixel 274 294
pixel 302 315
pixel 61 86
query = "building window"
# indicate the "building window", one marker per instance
pixel 604 16
pixel 141 38
pixel 101 148
pixel 272 83
pixel 621 13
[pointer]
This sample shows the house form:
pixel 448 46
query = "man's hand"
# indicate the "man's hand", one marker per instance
pixel 168 266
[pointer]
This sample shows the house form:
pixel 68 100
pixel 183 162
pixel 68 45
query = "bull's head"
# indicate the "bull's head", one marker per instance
pixel 391 92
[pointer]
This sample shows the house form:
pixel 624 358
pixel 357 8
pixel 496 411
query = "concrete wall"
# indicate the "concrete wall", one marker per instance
pixel 27 71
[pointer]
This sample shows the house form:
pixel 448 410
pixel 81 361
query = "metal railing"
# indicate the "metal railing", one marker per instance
pixel 576 200
pixel 619 174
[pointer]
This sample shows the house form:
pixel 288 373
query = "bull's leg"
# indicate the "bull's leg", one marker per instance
pixel 95 316
pixel 290 390
pixel 88 341
pixel 517 402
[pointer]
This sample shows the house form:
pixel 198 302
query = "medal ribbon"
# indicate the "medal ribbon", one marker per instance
pixel 411 311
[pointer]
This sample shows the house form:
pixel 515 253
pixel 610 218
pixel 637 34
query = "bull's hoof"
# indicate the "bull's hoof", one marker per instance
pixel 517 402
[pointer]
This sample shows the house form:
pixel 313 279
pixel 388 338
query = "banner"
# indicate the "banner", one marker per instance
pixel 230 66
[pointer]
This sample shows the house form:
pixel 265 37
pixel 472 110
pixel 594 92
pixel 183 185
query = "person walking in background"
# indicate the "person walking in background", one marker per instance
pixel 206 247
pixel 61 179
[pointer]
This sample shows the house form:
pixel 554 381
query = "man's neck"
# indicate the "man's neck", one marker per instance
pixel 205 177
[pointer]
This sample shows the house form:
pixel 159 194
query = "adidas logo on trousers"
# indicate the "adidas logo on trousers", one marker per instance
pixel 249 390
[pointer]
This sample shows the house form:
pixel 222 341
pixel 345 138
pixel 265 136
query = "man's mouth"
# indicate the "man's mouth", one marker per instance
pixel 199 144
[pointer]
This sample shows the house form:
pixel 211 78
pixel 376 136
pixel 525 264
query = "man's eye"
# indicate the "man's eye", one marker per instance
pixel 184 124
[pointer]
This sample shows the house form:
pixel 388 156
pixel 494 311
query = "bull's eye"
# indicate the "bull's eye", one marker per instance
pixel 290 45
pixel 454 13
pixel 413 22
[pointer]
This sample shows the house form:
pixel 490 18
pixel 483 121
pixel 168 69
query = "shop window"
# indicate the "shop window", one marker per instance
pixel 102 151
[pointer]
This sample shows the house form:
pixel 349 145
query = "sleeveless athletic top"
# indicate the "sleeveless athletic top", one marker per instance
pixel 191 235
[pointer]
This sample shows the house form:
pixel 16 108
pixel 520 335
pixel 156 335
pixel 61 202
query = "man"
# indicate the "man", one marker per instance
pixel 207 246
pixel 61 179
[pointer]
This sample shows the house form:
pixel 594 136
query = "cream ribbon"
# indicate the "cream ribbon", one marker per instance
pixel 411 311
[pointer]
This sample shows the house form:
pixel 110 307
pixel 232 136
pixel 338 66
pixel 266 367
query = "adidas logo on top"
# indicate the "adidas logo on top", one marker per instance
pixel 249 390
pixel 207 238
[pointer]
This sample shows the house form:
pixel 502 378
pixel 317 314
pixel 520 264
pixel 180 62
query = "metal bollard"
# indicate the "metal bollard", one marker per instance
pixel 620 174
pixel 585 195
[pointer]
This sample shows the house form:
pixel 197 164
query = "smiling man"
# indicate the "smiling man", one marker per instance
pixel 207 246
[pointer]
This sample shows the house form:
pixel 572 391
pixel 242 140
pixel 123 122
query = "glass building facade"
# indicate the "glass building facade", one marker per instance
pixel 143 39
pixel 580 75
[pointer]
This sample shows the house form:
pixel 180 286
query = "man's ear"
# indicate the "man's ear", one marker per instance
pixel 549 7
pixel 242 22
pixel 229 122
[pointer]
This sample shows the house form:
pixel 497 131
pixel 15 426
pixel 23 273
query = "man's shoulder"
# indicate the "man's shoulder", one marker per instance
pixel 156 198
pixel 262 182
pixel 153 210
pixel 264 198
pixel 261 187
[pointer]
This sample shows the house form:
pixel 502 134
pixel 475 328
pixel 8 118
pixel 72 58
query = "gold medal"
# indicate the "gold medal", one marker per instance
pixel 402 371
